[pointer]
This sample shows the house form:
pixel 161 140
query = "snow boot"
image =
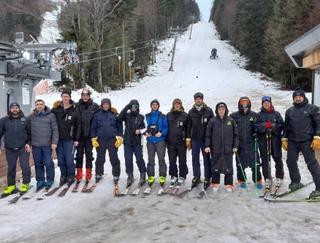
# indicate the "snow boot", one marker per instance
pixel 142 180
pixel 195 182
pixel 79 174
pixel 180 181
pixel 314 194
pixel 116 180
pixel 278 182
pixel 215 187
pixel 229 188
pixel 88 174
pixel 259 185
pixel 130 180
pixel 151 180
pixel 63 180
pixel 293 186
pixel 49 185
pixel 70 181
pixel 206 183
pixel 9 190
pixel 41 185
pixel 173 180
pixel 98 178
pixel 242 184
pixel 162 180
pixel 268 184
pixel 24 188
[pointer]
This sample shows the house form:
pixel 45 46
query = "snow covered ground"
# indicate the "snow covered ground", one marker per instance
pixel 221 217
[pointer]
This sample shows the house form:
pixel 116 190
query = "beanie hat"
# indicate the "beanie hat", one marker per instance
pixel 198 95
pixel 154 101
pixel 298 92
pixel 14 104
pixel 106 100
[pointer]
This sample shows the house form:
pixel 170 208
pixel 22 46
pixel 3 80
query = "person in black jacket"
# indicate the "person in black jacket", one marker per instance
pixel 134 128
pixel 106 134
pixel 270 126
pixel 17 140
pixel 69 124
pixel 302 134
pixel 222 141
pixel 87 108
pixel 248 144
pixel 177 122
pixel 198 118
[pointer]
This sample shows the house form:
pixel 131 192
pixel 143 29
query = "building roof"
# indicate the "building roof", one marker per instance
pixel 303 46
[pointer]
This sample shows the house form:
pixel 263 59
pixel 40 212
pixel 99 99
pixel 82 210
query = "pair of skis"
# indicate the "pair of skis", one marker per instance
pixel 280 197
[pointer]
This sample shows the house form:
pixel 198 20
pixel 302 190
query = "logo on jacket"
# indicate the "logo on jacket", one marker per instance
pixel 229 123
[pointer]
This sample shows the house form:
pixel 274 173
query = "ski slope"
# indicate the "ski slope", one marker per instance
pixel 222 217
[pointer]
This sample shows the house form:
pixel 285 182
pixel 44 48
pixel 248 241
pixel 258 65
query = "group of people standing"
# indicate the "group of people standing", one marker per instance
pixel 71 127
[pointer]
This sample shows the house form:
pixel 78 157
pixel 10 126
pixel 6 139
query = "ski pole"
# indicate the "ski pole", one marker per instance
pixel 268 137
pixel 241 168
pixel 256 161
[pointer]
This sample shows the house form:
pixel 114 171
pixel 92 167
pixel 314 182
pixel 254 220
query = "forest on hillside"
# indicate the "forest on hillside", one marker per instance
pixel 260 30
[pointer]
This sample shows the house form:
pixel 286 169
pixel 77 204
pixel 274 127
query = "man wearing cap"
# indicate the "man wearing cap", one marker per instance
pixel 157 130
pixel 302 134
pixel 17 140
pixel 87 108
pixel 177 124
pixel 106 134
pixel 134 128
pixel 198 118
pixel 69 124
pixel 44 137
pixel 248 144
pixel 270 126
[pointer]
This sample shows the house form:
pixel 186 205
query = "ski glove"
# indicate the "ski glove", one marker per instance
pixel 95 142
pixel 268 124
pixel 188 143
pixel 119 141
pixel 284 143
pixel 315 145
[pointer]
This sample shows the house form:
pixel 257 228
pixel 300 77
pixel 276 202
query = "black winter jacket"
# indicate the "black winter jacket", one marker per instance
pixel 16 131
pixel 69 122
pixel 133 121
pixel 177 123
pixel 86 110
pixel 198 121
pixel 302 122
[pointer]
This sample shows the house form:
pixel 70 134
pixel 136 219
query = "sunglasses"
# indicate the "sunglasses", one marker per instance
pixel 134 107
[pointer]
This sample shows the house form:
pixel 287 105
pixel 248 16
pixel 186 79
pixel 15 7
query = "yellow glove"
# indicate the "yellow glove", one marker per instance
pixel 284 143
pixel 95 142
pixel 315 145
pixel 188 143
pixel 119 141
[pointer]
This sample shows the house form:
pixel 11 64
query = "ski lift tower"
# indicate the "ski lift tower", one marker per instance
pixel 20 74
pixel 304 52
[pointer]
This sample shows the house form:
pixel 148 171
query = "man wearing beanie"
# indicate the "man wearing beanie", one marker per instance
pixel 17 140
pixel 270 126
pixel 134 128
pixel 248 144
pixel 302 134
pixel 69 125
pixel 106 134
pixel 177 123
pixel 198 118
pixel 157 130
pixel 87 108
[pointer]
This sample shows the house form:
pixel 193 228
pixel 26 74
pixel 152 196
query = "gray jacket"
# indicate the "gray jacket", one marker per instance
pixel 44 128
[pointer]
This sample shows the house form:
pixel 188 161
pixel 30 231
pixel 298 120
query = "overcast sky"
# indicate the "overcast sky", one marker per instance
pixel 205 8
